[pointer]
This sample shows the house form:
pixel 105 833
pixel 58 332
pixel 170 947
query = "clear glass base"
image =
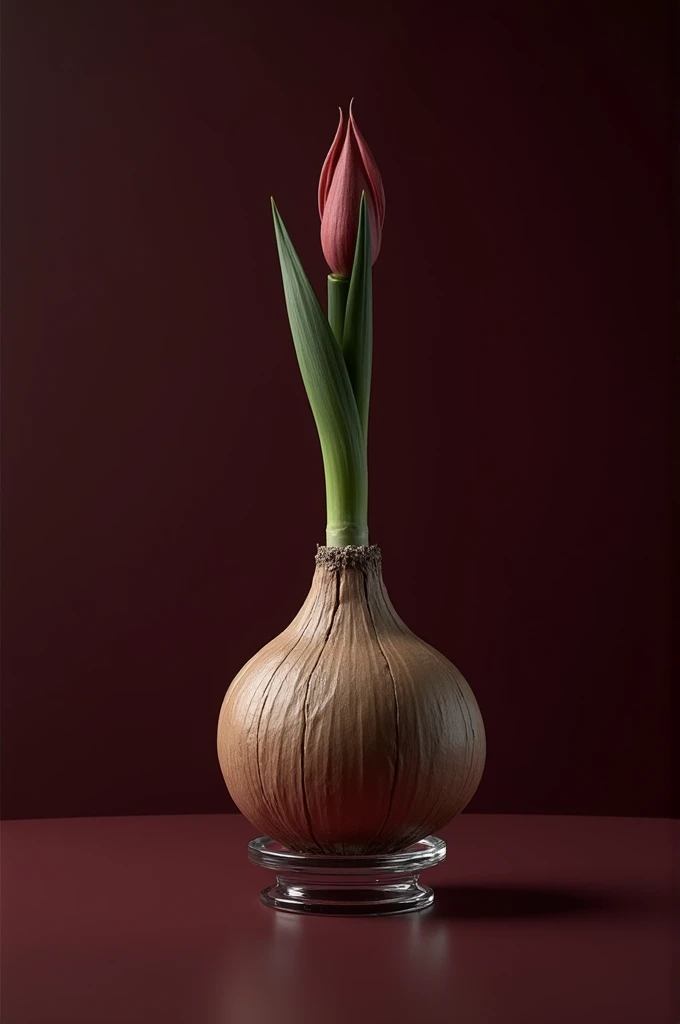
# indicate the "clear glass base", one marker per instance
pixel 310 883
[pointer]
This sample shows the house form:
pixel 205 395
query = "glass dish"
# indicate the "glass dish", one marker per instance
pixel 350 885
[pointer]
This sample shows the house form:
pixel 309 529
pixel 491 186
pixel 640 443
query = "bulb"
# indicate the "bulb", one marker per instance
pixel 347 734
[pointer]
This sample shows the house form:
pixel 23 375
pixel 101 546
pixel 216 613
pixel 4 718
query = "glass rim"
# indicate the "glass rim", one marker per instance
pixel 423 854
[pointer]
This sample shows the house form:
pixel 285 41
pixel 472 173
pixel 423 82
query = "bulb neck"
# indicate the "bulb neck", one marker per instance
pixel 349 556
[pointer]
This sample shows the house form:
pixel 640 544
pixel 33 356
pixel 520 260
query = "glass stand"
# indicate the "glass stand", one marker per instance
pixel 310 883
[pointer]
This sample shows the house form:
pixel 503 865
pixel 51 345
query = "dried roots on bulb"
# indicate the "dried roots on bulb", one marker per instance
pixel 347 734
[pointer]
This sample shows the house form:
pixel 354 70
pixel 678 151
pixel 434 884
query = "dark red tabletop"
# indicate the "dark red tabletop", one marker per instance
pixel 540 920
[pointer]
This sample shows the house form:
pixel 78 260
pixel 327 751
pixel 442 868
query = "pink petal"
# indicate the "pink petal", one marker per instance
pixel 370 167
pixel 329 164
pixel 341 209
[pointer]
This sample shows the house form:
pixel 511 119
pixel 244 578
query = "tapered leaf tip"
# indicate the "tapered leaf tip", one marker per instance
pixel 278 223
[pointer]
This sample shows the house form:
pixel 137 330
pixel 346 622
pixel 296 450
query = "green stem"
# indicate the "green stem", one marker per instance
pixel 357 334
pixel 350 315
pixel 338 292
pixel 347 533
pixel 346 496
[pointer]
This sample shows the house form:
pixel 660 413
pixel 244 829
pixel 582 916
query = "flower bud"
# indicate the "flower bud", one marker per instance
pixel 348 170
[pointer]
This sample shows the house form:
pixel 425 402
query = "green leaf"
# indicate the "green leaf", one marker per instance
pixel 357 340
pixel 331 397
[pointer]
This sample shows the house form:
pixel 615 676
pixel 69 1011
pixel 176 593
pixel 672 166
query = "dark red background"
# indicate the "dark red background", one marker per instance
pixel 163 489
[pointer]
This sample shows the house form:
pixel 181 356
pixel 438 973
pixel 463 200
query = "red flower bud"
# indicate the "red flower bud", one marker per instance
pixel 348 170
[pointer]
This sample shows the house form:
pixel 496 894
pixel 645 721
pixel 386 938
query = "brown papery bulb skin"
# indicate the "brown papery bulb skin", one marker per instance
pixel 347 734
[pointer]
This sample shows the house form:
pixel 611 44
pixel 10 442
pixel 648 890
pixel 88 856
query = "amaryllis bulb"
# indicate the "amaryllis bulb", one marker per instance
pixel 347 733
pixel 348 170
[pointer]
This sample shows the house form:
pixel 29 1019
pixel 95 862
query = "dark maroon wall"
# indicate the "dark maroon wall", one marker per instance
pixel 163 489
